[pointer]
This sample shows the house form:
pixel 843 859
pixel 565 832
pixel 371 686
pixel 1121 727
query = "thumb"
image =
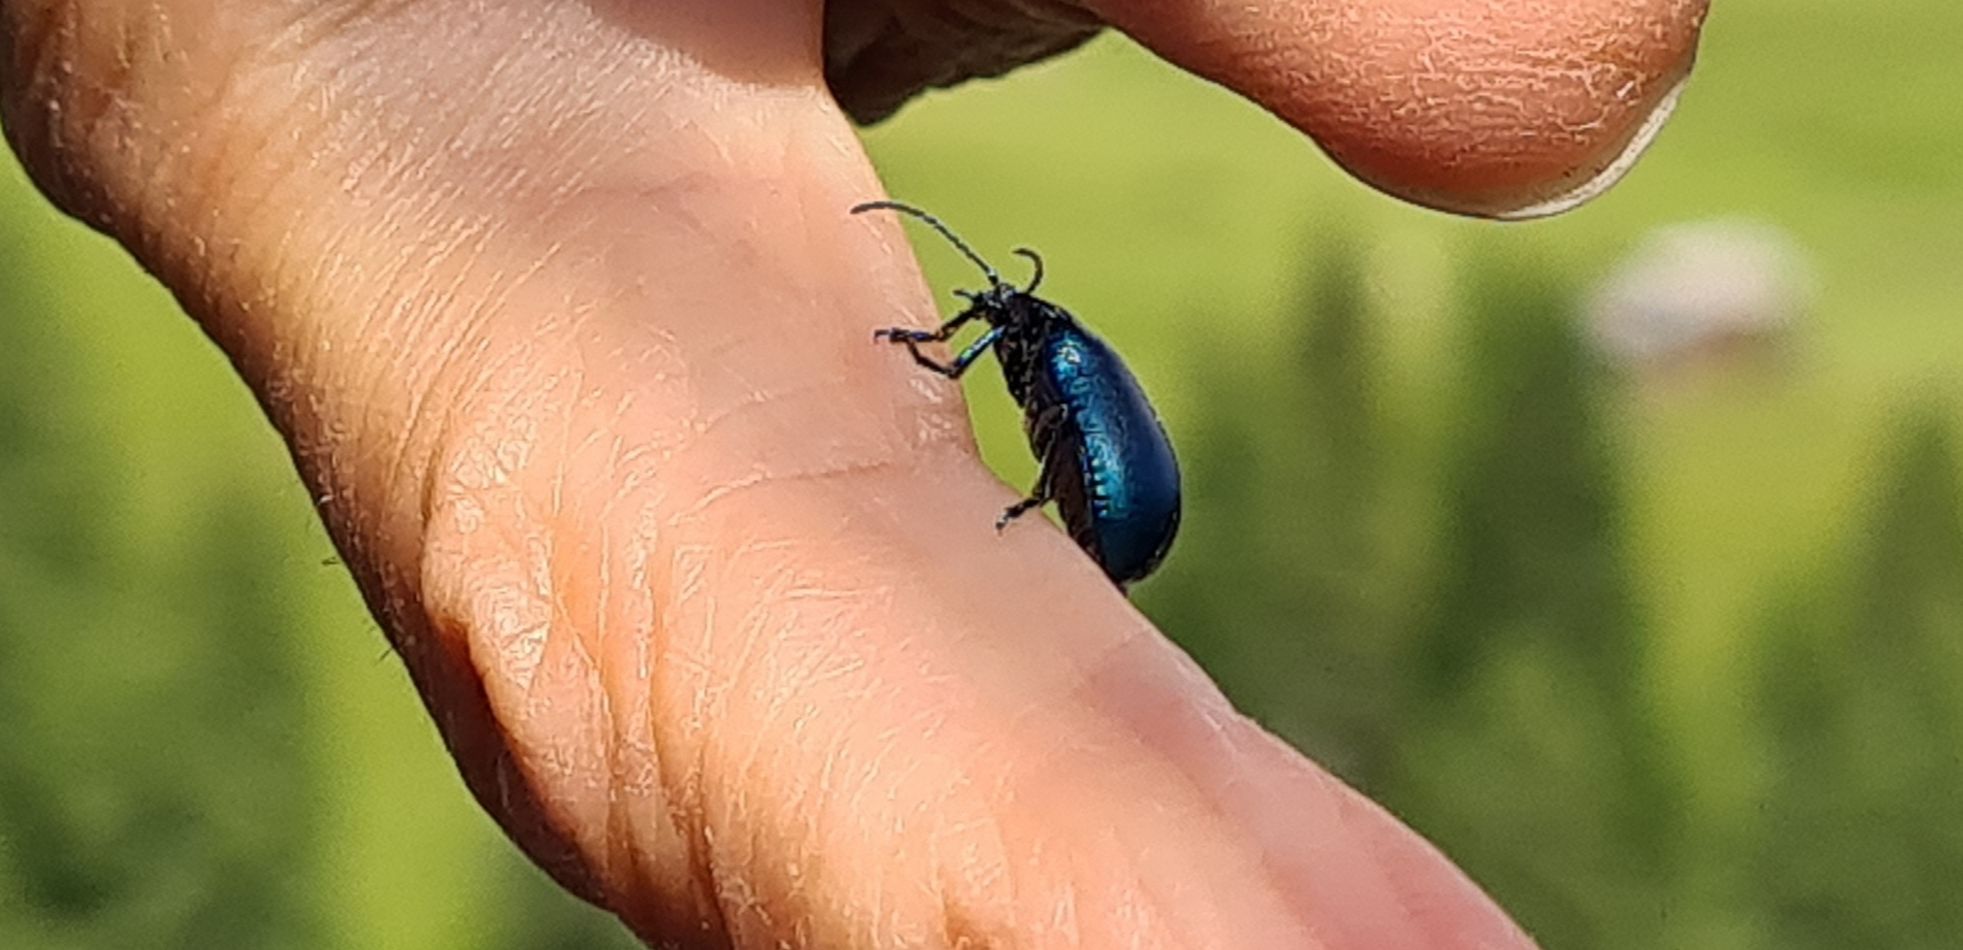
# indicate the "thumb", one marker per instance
pixel 1506 108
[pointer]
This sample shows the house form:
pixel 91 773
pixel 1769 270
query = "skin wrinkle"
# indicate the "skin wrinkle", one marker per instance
pixel 497 459
pixel 469 473
pixel 309 27
pixel 670 811
pixel 753 763
pixel 573 732
pixel 449 356
pixel 737 392
pixel 559 515
pixel 482 746
pixel 682 685
pixel 776 707
pixel 468 147
pixel 435 368
pixel 522 650
pixel 543 840
pixel 779 707
pixel 627 742
pixel 398 217
pixel 254 54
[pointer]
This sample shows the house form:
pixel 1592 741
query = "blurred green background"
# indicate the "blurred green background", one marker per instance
pixel 1666 655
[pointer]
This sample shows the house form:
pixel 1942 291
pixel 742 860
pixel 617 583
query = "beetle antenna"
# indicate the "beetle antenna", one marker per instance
pixel 1036 259
pixel 994 279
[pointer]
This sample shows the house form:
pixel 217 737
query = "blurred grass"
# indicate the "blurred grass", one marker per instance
pixel 153 539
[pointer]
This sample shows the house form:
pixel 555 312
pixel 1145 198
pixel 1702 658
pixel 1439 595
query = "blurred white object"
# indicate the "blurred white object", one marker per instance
pixel 1699 288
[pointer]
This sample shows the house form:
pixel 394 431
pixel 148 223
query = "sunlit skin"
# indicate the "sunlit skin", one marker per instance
pixel 559 309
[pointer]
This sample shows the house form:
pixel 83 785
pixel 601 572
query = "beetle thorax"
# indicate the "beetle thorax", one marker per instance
pixel 1026 323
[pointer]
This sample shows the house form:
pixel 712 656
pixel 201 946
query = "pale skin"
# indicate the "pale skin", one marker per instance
pixel 558 307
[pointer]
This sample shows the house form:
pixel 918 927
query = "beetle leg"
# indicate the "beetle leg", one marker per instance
pixel 944 332
pixel 1025 506
pixel 960 363
pixel 1044 427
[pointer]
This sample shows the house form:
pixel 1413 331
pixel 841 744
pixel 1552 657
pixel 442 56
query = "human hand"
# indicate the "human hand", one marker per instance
pixel 558 308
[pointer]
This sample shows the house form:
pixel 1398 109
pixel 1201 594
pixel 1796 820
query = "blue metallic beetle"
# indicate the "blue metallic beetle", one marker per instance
pixel 1106 460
